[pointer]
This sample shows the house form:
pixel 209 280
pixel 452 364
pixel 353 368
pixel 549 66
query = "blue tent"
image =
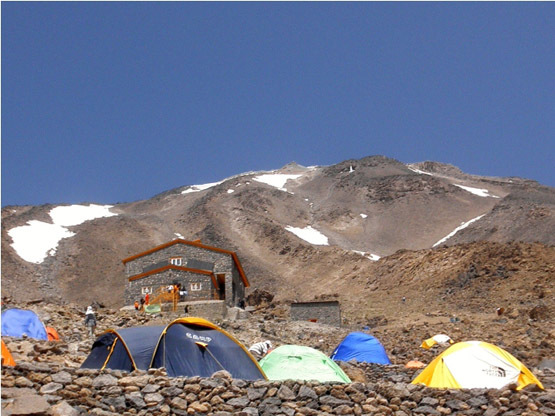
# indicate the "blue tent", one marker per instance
pixel 362 348
pixel 186 347
pixel 19 322
pixel 124 349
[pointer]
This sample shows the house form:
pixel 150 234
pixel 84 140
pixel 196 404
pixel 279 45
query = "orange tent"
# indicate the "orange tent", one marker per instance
pixel 7 358
pixel 52 334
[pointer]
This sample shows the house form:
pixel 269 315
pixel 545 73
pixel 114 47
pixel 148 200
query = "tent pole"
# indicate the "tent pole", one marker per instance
pixel 215 359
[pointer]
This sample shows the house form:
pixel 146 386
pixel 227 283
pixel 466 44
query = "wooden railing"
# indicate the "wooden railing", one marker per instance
pixel 162 295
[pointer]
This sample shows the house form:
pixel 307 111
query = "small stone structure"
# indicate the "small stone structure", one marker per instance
pixel 212 310
pixel 327 312
pixel 204 272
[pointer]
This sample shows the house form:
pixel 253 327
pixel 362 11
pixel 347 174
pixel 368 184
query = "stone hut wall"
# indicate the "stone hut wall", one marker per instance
pixel 188 280
pixel 213 311
pixel 223 263
pixel 322 312
pixel 234 288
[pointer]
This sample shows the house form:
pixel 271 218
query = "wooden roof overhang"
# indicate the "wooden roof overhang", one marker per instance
pixel 195 244
pixel 173 267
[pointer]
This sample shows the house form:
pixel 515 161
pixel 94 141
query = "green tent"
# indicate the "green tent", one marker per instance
pixel 295 362
pixel 153 308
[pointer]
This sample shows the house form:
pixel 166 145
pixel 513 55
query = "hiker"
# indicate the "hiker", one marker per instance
pixel 142 303
pixel 90 320
pixel 147 298
pixel 136 305
pixel 260 349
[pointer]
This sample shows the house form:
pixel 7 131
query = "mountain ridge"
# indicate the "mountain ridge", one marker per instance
pixel 366 208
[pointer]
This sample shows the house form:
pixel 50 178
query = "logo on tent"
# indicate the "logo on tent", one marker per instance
pixel 198 337
pixel 494 371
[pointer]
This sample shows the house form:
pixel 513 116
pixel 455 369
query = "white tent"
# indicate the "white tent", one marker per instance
pixel 475 364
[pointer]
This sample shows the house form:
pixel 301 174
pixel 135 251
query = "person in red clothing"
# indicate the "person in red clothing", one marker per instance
pixel 147 298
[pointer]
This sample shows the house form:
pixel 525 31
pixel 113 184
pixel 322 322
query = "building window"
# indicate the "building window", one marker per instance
pixel 176 261
pixel 196 287
pixel 146 289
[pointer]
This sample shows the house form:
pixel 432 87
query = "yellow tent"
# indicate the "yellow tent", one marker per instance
pixel 475 364
pixel 7 358
pixel 440 339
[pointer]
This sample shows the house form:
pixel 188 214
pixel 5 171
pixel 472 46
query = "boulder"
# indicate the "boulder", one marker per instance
pixel 27 405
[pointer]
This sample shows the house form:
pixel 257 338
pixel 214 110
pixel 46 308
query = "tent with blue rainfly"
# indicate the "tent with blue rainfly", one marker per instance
pixel 361 347
pixel 185 347
pixel 297 362
pixel 124 349
pixel 20 322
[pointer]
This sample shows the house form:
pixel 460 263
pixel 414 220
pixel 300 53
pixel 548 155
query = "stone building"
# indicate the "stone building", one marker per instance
pixel 325 312
pixel 204 272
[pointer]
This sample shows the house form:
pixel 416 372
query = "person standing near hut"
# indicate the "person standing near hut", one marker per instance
pixel 90 320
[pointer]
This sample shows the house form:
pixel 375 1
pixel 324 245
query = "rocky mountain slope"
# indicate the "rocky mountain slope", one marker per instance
pixel 445 239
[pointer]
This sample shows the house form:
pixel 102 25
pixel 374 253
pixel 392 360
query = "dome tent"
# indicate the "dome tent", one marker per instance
pixel 52 334
pixel 439 339
pixel 7 358
pixel 475 364
pixel 361 347
pixel 296 362
pixel 185 347
pixel 22 322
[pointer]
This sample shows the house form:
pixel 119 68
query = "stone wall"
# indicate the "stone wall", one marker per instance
pixel 188 280
pixel 322 312
pixel 41 389
pixel 223 263
pixel 213 311
pixel 235 288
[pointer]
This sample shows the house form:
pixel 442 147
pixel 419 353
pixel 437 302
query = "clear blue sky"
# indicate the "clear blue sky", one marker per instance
pixel 111 102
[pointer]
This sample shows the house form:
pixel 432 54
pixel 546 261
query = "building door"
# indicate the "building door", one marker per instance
pixel 233 298
pixel 221 285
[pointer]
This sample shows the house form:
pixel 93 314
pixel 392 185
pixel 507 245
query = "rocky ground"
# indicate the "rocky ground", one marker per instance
pixel 47 378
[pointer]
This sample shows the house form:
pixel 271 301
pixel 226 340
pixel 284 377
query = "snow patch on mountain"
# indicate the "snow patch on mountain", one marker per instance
pixel 484 193
pixel 373 257
pixel 309 235
pixel 456 230
pixel 421 172
pixel 67 216
pixel 277 180
pixel 197 188
pixel 37 239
